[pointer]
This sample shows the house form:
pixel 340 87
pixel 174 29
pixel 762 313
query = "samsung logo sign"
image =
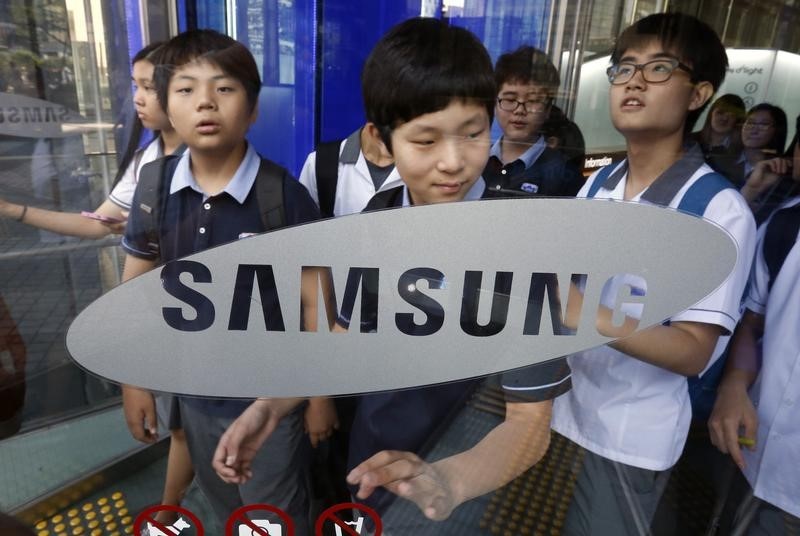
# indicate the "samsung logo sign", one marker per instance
pixel 256 289
pixel 421 296
pixel 33 118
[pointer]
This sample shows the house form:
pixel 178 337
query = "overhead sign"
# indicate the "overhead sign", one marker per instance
pixel 428 294
pixel 34 118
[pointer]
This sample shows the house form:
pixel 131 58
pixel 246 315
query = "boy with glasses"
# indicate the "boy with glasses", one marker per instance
pixel 520 162
pixel 629 405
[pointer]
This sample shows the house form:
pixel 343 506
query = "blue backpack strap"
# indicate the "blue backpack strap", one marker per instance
pixel 700 194
pixel 600 179
pixel 703 390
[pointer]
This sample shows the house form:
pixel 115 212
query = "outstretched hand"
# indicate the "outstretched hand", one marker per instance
pixel 240 443
pixel 406 475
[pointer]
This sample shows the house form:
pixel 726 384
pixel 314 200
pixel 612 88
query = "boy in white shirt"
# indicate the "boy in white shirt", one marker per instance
pixel 629 404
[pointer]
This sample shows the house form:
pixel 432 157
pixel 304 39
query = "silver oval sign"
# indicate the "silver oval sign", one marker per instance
pixel 433 294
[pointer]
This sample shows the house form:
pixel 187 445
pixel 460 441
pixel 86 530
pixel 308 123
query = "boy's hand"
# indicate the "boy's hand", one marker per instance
pixel 139 407
pixel 240 443
pixel 118 227
pixel 408 476
pixel 733 412
pixel 764 175
pixel 320 419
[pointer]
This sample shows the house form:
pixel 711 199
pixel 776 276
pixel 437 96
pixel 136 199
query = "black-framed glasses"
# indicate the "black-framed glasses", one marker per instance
pixel 653 72
pixel 758 125
pixel 537 105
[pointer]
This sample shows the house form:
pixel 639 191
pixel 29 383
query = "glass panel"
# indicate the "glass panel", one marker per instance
pixel 452 312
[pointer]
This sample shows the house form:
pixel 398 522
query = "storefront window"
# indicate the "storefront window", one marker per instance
pixel 68 460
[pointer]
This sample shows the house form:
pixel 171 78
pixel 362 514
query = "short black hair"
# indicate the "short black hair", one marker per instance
pixel 527 65
pixel 419 67
pixel 231 56
pixel 780 123
pixel 147 52
pixel 693 41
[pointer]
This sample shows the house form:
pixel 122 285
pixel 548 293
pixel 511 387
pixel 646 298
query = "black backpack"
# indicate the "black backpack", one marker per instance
pixel 152 189
pixel 326 169
pixel 779 239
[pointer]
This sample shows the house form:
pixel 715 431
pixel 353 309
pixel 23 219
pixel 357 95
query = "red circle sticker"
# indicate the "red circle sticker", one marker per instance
pixel 348 528
pixel 145 523
pixel 274 522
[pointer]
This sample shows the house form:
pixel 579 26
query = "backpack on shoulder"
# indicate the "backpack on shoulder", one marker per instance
pixel 156 176
pixel 326 169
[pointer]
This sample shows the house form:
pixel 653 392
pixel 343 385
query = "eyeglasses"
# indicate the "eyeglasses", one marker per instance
pixel 537 105
pixel 755 125
pixel 654 72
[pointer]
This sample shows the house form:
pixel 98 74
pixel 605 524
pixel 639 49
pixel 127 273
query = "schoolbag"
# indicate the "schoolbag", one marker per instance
pixel 385 199
pixel 702 389
pixel 152 189
pixel 779 239
pixel 326 169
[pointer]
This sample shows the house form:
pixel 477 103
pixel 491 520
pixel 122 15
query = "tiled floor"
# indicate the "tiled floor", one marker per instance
pixel 38 462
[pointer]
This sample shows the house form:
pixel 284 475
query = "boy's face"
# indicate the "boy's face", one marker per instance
pixel 208 108
pixel 145 99
pixel 440 155
pixel 523 123
pixel 651 111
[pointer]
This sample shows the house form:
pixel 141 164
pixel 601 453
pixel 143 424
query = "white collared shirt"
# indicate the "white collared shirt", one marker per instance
pixel 630 411
pixel 354 187
pixel 238 187
pixel 122 194
pixel 528 157
pixel 773 470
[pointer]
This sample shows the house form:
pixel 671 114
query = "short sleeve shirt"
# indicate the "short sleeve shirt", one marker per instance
pixel 633 412
pixel 772 470
pixel 193 221
pixel 122 194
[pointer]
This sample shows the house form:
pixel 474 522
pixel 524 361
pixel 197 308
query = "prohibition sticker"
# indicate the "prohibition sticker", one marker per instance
pixel 263 525
pixel 348 528
pixel 146 524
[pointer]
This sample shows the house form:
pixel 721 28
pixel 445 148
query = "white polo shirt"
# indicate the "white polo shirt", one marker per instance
pixel 122 194
pixel 354 188
pixel 630 411
pixel 773 470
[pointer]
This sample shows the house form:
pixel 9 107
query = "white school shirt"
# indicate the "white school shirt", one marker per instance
pixel 773 470
pixel 122 194
pixel 354 187
pixel 632 412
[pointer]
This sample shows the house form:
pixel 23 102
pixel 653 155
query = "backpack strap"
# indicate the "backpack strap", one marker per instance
pixel 603 177
pixel 700 194
pixel 779 239
pixel 385 199
pixel 327 171
pixel 151 193
pixel 269 193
